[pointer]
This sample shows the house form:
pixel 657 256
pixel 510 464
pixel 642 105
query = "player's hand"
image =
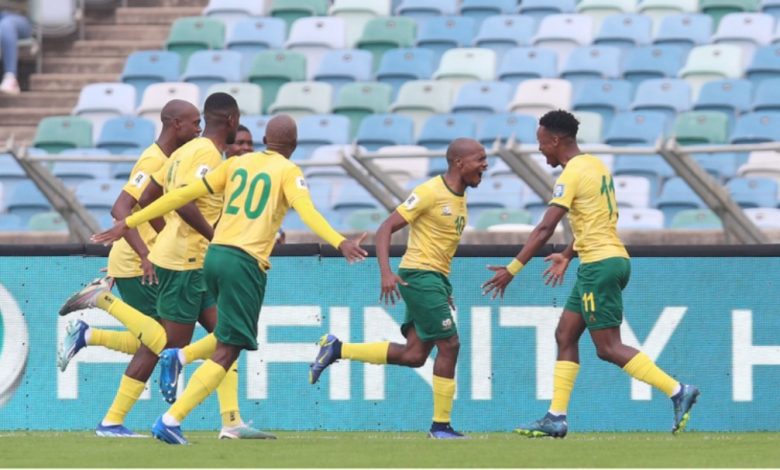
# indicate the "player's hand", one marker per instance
pixel 351 250
pixel 390 293
pixel 149 277
pixel 554 273
pixel 497 284
pixel 111 235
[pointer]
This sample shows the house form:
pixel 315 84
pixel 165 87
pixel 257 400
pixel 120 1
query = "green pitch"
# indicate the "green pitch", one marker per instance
pixel 320 449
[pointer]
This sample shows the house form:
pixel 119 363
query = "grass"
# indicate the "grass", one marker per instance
pixel 365 449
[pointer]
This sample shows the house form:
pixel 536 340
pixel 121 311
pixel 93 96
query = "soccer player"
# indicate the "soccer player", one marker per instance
pixel 586 191
pixel 260 188
pixel 243 143
pixel 436 211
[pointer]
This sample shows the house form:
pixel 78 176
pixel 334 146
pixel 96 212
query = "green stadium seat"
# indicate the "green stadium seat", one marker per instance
pixel 466 64
pixel 492 217
pixel 47 222
pixel 717 9
pixel 701 127
pixel 696 219
pixel 272 69
pixel 57 133
pixel 366 219
pixel 382 34
pixel 291 10
pixel 356 13
pixel 657 9
pixel 248 96
pixel 359 99
pixel 600 9
pixel 191 34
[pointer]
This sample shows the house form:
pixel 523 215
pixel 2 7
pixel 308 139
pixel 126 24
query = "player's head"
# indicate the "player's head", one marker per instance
pixel 181 120
pixel 467 158
pixel 556 134
pixel 281 135
pixel 243 142
pixel 221 113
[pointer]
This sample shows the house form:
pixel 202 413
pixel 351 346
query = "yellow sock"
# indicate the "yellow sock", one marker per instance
pixel 204 381
pixel 443 391
pixel 563 383
pixel 641 367
pixel 200 349
pixel 145 328
pixel 373 353
pixel 128 393
pixel 227 393
pixel 122 341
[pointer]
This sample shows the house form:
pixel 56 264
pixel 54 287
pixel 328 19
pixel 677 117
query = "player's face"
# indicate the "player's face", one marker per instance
pixel 243 143
pixel 473 166
pixel 548 145
pixel 232 126
pixel 189 126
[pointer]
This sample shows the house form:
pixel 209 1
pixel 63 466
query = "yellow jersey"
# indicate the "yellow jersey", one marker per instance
pixel 586 189
pixel 180 247
pixel 123 261
pixel 437 217
pixel 259 189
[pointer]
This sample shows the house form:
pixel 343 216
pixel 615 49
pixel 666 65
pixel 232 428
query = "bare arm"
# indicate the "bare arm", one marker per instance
pixel 390 280
pixel 123 207
pixel 152 192
pixel 190 214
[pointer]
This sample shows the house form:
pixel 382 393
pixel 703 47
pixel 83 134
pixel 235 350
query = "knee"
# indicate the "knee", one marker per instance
pixel 563 337
pixel 450 348
pixel 415 359
pixel 605 353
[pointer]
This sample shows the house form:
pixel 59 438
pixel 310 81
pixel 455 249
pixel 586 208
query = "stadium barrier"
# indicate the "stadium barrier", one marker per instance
pixel 708 315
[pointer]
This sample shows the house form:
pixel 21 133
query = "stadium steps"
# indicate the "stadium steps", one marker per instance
pixel 67 81
pixel 40 99
pixel 102 32
pixel 83 65
pixel 156 16
pixel 118 48
pixel 29 116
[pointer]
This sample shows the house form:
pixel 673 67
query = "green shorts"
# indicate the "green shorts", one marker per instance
pixel 235 279
pixel 182 295
pixel 427 306
pixel 142 297
pixel 598 293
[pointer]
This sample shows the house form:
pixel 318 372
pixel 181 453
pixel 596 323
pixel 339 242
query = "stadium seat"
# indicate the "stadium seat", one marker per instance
pixel 712 62
pixel 351 197
pixel 764 65
pixel 764 217
pixel 677 196
pixel 717 9
pixel 291 10
pixel 667 96
pixel 365 219
pixel 403 170
pixel 632 191
pixel 314 36
pixel 426 9
pixel 480 99
pixel 126 132
pixel 441 129
pixel 57 133
pixel 320 129
pixel 358 100
pixel 684 31
pixel 696 219
pixel 248 95
pixel 657 10
pixel 143 68
pixel 589 62
pixel 272 69
pixel 538 9
pixel 47 222
pixel 378 130
pixel 727 96
pixel 339 67
pixel 651 167
pixel 537 96
pixel 701 127
pixel 462 65
pixel 157 94
pixel 299 99
pixel 636 128
pixel 501 193
pixel 382 34
pixel 503 32
pixel 205 68
pixel 605 97
pixel 231 12
pixel 256 125
pixel 98 196
pixel 480 10
pixel 419 99
pixel 26 200
pixel 640 218
pixel 356 13
pixel 767 96
pixel 523 63
pixel 753 192
pixel 761 164
pixel 252 35
pixel 11 173
pixel 401 65
pixel 625 31
pixel 73 173
pixel 753 128
pixel 591 128
pixel 11 223
pixel 101 101
pixel 440 34
pixel 54 19
pixel 191 34
pixel 721 166
pixel 643 63
pixel 746 30
pixel 563 33
pixel 504 126
pixel 496 217
pixel 598 10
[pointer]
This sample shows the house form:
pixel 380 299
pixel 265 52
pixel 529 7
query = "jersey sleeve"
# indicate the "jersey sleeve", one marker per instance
pixel 140 176
pixel 161 175
pixel 565 189
pixel 416 204
pixel 294 185
pixel 205 160
pixel 216 180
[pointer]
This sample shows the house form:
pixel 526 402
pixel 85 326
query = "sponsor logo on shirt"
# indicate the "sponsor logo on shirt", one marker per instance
pixel 139 179
pixel 446 210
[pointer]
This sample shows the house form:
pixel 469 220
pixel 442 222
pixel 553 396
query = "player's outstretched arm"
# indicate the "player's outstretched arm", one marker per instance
pixel 389 288
pixel 350 249
pixel 123 207
pixel 503 275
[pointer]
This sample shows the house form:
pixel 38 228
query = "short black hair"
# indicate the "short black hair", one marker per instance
pixel 243 128
pixel 219 105
pixel 560 122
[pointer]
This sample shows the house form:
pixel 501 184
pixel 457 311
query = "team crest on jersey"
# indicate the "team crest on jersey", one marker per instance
pixel 301 183
pixel 411 201
pixel 201 171
pixel 446 210
pixel 139 179
pixel 558 191
pixel 446 324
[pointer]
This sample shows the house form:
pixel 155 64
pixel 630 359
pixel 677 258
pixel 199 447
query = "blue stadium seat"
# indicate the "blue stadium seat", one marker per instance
pixel 721 166
pixel 767 96
pixel 351 197
pixel 11 172
pixel 379 130
pixel 26 200
pixel 316 130
pixel 677 196
pixel 753 192
pixel 523 63
pixel 746 30
pixel 73 173
pixel 480 99
pixel 340 67
pixel 668 96
pixel 591 62
pixel 441 129
pixel 480 10
pixel 503 32
pixel 313 36
pixel 605 97
pixel 625 31
pixel 143 68
pixel 256 125
pixel 753 128
pixel 126 132
pixel 123 170
pixel 731 96
pixel 426 9
pixel 651 167
pixel 636 128
pixel 643 63
pixel 98 196
pixel 205 68
pixel 252 35
pixel 504 126
pixel 640 218
pixel 684 31
pixel 495 193
pixel 99 102
pixel 12 223
pixel 771 7
pixel 764 65
pixel 441 33
pixel 538 9
pixel 401 65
